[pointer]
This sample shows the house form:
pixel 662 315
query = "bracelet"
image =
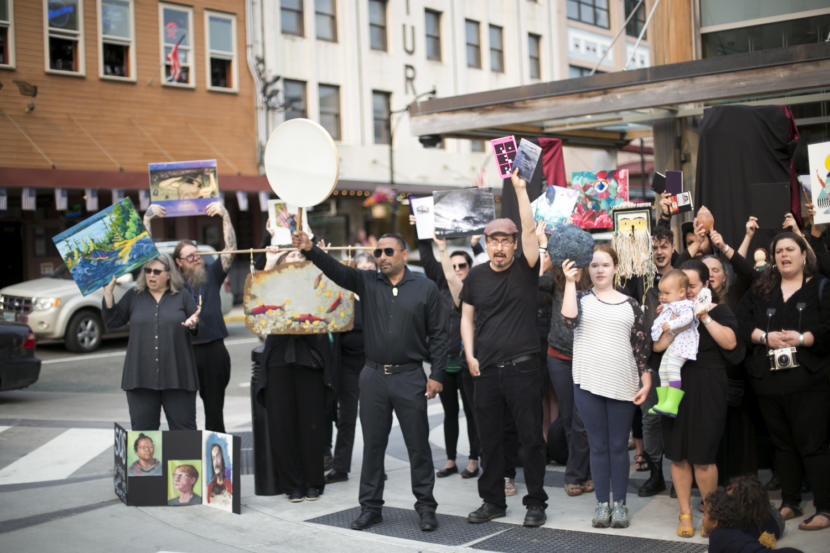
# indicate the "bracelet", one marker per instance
pixel 706 321
pixel 801 339
pixel 542 250
pixel 763 339
pixel 726 249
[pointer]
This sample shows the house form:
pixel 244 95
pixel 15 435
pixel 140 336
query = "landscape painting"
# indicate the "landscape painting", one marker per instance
pixel 462 212
pixel 184 187
pixel 599 193
pixel 111 243
pixel 296 298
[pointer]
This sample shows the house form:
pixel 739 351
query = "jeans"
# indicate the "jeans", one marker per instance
pixel 561 377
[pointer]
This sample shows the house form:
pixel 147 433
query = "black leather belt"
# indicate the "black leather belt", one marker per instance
pixel 513 362
pixel 391 368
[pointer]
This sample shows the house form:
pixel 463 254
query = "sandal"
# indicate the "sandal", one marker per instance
pixel 587 486
pixel 641 462
pixel 823 522
pixel 685 531
pixel 573 489
pixel 791 512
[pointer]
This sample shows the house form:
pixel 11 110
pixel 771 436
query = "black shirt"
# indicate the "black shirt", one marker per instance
pixel 435 272
pixel 211 322
pixel 505 310
pixel 401 323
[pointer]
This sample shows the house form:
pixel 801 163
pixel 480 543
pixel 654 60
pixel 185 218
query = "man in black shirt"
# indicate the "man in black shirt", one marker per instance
pixel 498 327
pixel 403 326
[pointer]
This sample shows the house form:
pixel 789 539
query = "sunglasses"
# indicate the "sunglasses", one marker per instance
pixel 460 266
pixel 389 252
pixel 157 272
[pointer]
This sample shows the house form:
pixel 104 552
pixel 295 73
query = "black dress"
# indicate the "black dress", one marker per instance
pixel 695 434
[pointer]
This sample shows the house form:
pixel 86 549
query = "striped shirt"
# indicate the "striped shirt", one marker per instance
pixel 610 347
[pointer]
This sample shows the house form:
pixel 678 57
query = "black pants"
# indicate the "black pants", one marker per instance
pixel 295 399
pixel 145 408
pixel 517 388
pixel 380 395
pixel 348 390
pixel 213 363
pixel 454 383
pixel 798 427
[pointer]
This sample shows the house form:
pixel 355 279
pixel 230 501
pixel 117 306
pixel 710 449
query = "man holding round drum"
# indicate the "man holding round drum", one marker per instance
pixel 403 325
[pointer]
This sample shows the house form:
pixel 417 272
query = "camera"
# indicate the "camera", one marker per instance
pixel 782 358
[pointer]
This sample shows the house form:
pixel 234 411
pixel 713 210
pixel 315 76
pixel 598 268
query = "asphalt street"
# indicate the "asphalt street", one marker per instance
pixel 56 485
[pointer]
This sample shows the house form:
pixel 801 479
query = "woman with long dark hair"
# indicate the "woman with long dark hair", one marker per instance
pixel 786 317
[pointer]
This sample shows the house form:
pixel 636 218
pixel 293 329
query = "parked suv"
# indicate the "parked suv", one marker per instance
pixel 55 309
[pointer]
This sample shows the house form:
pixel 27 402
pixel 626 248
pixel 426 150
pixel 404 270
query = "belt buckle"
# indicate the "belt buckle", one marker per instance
pixel 386 368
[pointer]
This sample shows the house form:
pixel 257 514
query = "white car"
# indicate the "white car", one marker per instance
pixel 55 309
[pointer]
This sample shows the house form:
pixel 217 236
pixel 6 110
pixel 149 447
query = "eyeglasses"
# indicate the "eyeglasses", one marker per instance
pixel 190 258
pixel 180 476
pixel 460 266
pixel 503 242
pixel 389 252
pixel 157 272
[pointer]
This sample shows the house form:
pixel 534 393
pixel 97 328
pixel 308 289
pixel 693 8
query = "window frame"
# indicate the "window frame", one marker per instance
pixel 496 54
pixel 385 25
pixel 132 69
pixel 301 11
pixel 338 135
pixel 436 37
pixel 593 5
pixel 636 21
pixel 330 17
pixel 190 65
pixel 79 38
pixel 9 26
pixel 304 113
pixel 234 72
pixel 388 101
pixel 468 44
pixel 534 62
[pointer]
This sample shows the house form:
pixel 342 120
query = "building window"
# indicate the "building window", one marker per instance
pixel 221 50
pixel 577 71
pixel 116 29
pixel 432 24
pixel 638 21
pixel 476 145
pixel 291 17
pixel 64 36
pixel 593 12
pixel 377 24
pixel 473 40
pixel 177 50
pixel 381 117
pixel 325 20
pixel 295 99
pixel 330 109
pixel 496 49
pixel 534 56
pixel 6 34
pixel 806 30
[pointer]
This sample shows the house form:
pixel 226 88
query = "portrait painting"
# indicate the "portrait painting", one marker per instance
pixel 144 453
pixel 599 193
pixel 110 243
pixel 184 482
pixel 217 463
pixel 462 212
pixel 184 187
pixel 296 298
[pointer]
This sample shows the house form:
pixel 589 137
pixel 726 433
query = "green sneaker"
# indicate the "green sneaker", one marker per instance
pixel 619 515
pixel 671 402
pixel 602 515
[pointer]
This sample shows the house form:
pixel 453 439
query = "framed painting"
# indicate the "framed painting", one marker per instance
pixel 184 187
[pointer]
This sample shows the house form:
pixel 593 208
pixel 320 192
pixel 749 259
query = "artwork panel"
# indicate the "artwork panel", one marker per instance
pixel 172 490
pixel 599 193
pixel 282 217
pixel 505 151
pixel 819 158
pixel 296 298
pixel 184 188
pixel 423 210
pixel 218 459
pixel 112 242
pixel 555 206
pixel 462 212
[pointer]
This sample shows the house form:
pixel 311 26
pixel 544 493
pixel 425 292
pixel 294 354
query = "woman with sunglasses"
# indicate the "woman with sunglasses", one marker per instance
pixel 159 368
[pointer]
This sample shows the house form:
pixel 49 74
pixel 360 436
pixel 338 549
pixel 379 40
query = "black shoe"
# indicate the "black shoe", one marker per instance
pixel 655 483
pixel 296 496
pixel 313 494
pixel 446 471
pixel 535 516
pixel 469 474
pixel 333 476
pixel 328 460
pixel 773 483
pixel 428 521
pixel 366 519
pixel 486 513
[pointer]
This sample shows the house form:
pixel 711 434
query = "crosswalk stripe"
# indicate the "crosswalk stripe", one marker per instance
pixel 58 458
pixel 4 428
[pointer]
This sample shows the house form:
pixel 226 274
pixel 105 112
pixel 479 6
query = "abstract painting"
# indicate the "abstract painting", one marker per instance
pixel 599 194
pixel 296 298
pixel 554 206
pixel 184 187
pixel 111 242
pixel 462 212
